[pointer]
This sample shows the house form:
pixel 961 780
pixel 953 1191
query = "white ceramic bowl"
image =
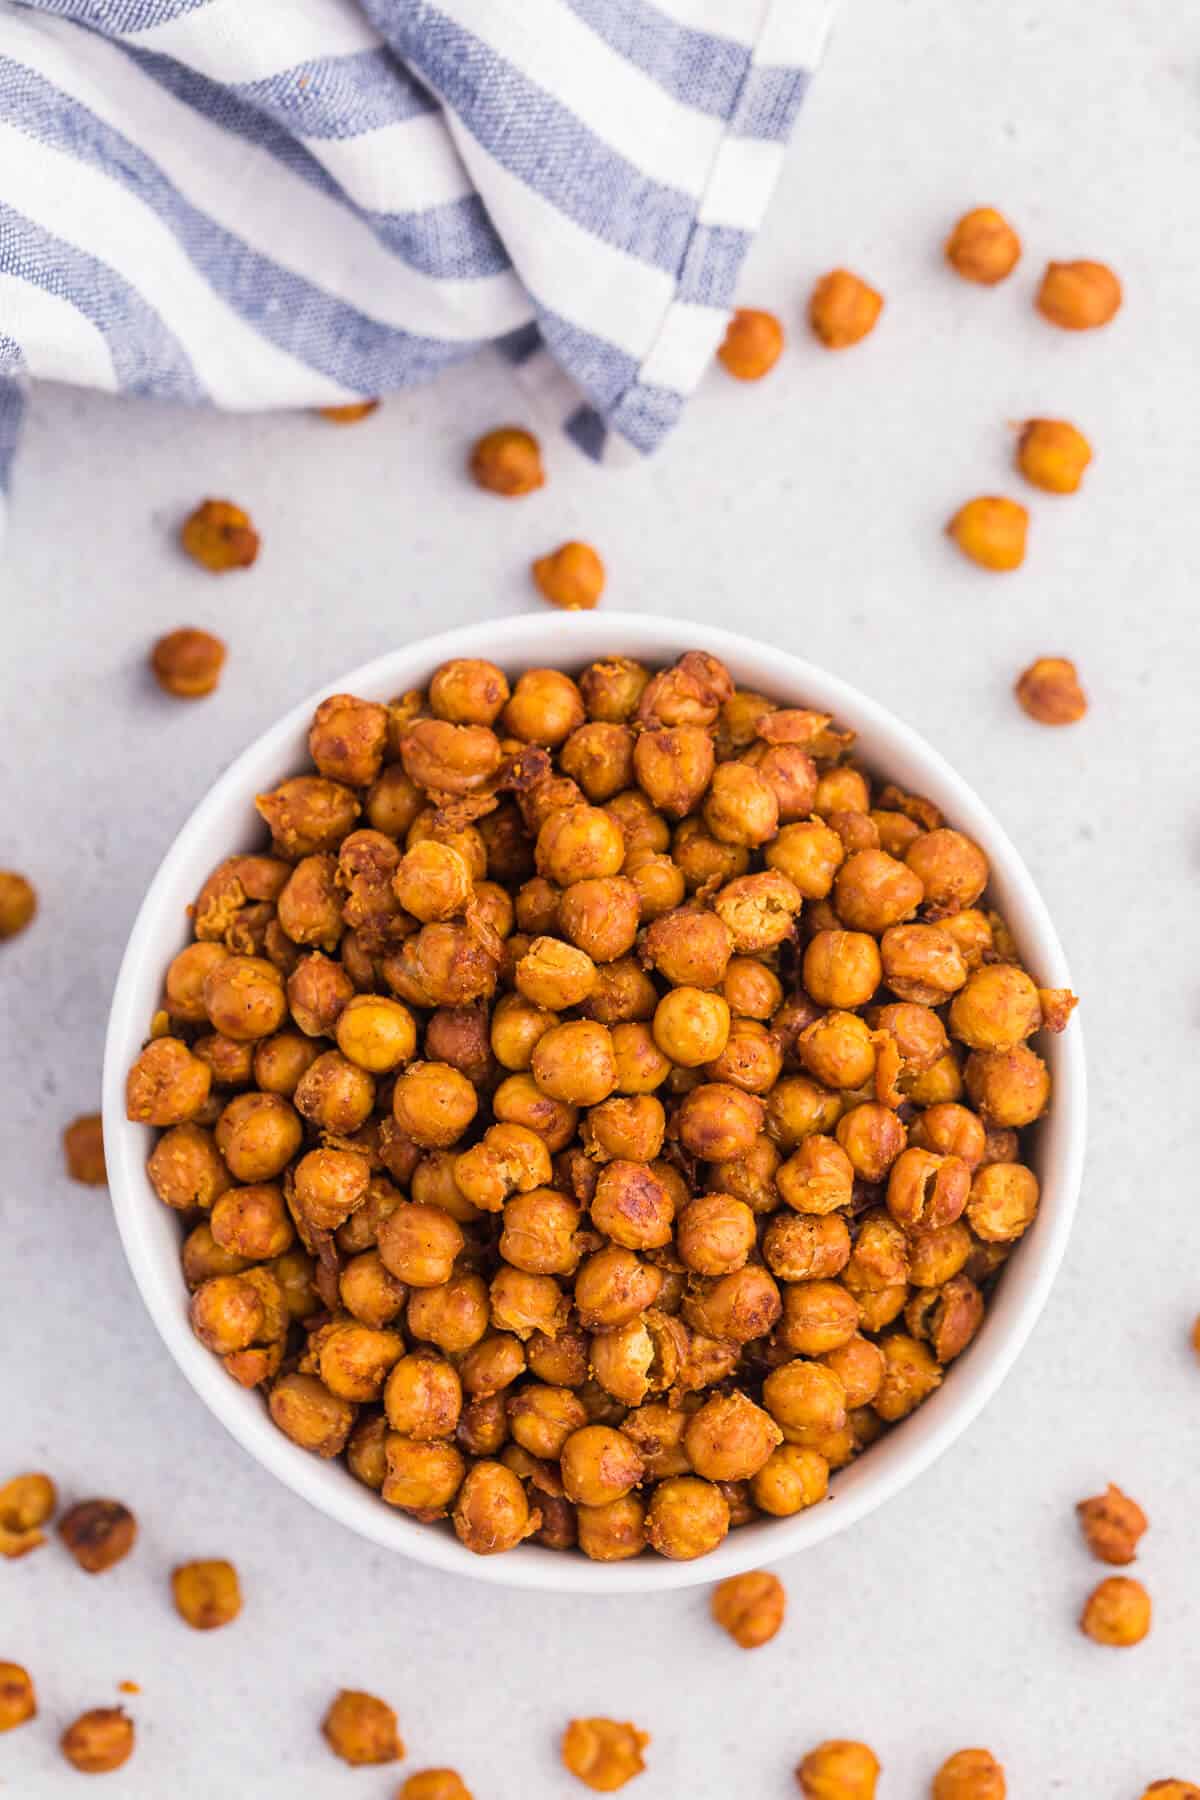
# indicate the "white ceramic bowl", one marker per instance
pixel 225 821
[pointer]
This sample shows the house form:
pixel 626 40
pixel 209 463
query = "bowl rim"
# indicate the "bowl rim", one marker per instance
pixel 904 1454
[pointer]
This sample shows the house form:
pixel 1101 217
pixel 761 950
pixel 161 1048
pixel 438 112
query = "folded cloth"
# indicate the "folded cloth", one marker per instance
pixel 277 203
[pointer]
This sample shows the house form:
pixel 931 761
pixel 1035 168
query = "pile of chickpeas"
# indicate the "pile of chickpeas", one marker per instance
pixel 597 1117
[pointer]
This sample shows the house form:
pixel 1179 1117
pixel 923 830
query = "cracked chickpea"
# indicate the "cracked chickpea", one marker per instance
pixel 1049 691
pixel 603 1753
pixel 1112 1525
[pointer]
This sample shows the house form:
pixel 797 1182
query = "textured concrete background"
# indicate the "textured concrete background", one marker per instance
pixel 807 511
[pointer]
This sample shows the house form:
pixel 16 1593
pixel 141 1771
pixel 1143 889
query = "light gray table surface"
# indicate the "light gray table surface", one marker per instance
pixel 808 511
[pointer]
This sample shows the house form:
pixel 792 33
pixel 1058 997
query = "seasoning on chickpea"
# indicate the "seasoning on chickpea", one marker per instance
pixel 219 536
pixel 843 309
pixel 983 246
pixel 187 663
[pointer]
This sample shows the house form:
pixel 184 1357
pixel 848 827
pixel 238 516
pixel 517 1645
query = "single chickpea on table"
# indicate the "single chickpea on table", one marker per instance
pixel 596 1116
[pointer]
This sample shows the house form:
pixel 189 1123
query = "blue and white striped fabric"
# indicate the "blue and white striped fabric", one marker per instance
pixel 282 203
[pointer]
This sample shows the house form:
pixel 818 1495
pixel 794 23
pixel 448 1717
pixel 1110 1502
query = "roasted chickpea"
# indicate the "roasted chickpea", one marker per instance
pixel 809 853
pixel 1003 1201
pixel 433 1104
pixel 492 1364
pixel 715 1234
pixel 207 1595
pixel 1112 1524
pixel 599 1465
pixel 579 843
pixel 691 1025
pixel 674 765
pixel 520 1101
pixel 926 1191
pixel 536 908
pixel 423 1397
pixel 167 1085
pixel 1009 1088
pixel 467 691
pixel 540 1233
pixel 687 1517
pixel 843 309
pixel 703 860
pixel 629 1129
pixel 1117 1612
pixel 523 1303
pixel 910 1375
pixel 633 1205
pixel 18 1702
pixel 603 1754
pixel 361 1729
pixel 858 1365
pixel 806 1246
pixel 103 1739
pixel 571 576
pixel 717 1121
pixel 872 1137
pixel 969 1775
pixel 599 755
pixel 393 801
pixel 545 708
pixel 996 1009
pixel 990 530
pixel 434 1784
pixel 26 1502
pixel 839 1769
pixel 421 1478
pixel 507 461
pixel 817 1178
pixel 752 344
pixel 873 891
pixel 453 1316
pixel 367 1291
pixel 1050 692
pixel 418 1245
pixel 574 1063
pixel 750 1607
pixel 842 968
pixel 818 1316
pixel 689 948
pixel 542 1418
pixel 614 1532
pixel 751 989
pixel 806 1400
pixel 614 1286
pixel 18 904
pixel 516 1025
pixel 792 1478
pixel 201 1257
pixel 736 1308
pixel 983 247
pixel 935 1257
pixel 798 1107
pixel 98 1533
pixel 730 1438
pixel 186 975
pixel 612 688
pixel 307 815
pixel 760 910
pixel 1078 296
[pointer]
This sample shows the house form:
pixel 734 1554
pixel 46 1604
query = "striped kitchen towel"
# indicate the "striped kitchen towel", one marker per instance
pixel 279 203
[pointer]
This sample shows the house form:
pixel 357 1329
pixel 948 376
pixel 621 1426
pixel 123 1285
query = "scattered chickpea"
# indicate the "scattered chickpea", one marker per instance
pixel 969 1775
pixel 750 1607
pixel 26 1503
pixel 18 1701
pixel 350 413
pixel 1112 1524
pixel 1078 296
pixel 603 1753
pixel 187 663
pixel 839 1769
pixel 98 1533
pixel 83 1149
pixel 571 576
pixel 1049 691
pixel 219 536
pixel 206 1594
pixel 991 531
pixel 983 246
pixel 1172 1790
pixel 99 1741
pixel 1117 1612
pixel 1053 455
pixel 18 903
pixel 843 309
pixel 752 345
pixel 434 1784
pixel 508 461
pixel 361 1729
